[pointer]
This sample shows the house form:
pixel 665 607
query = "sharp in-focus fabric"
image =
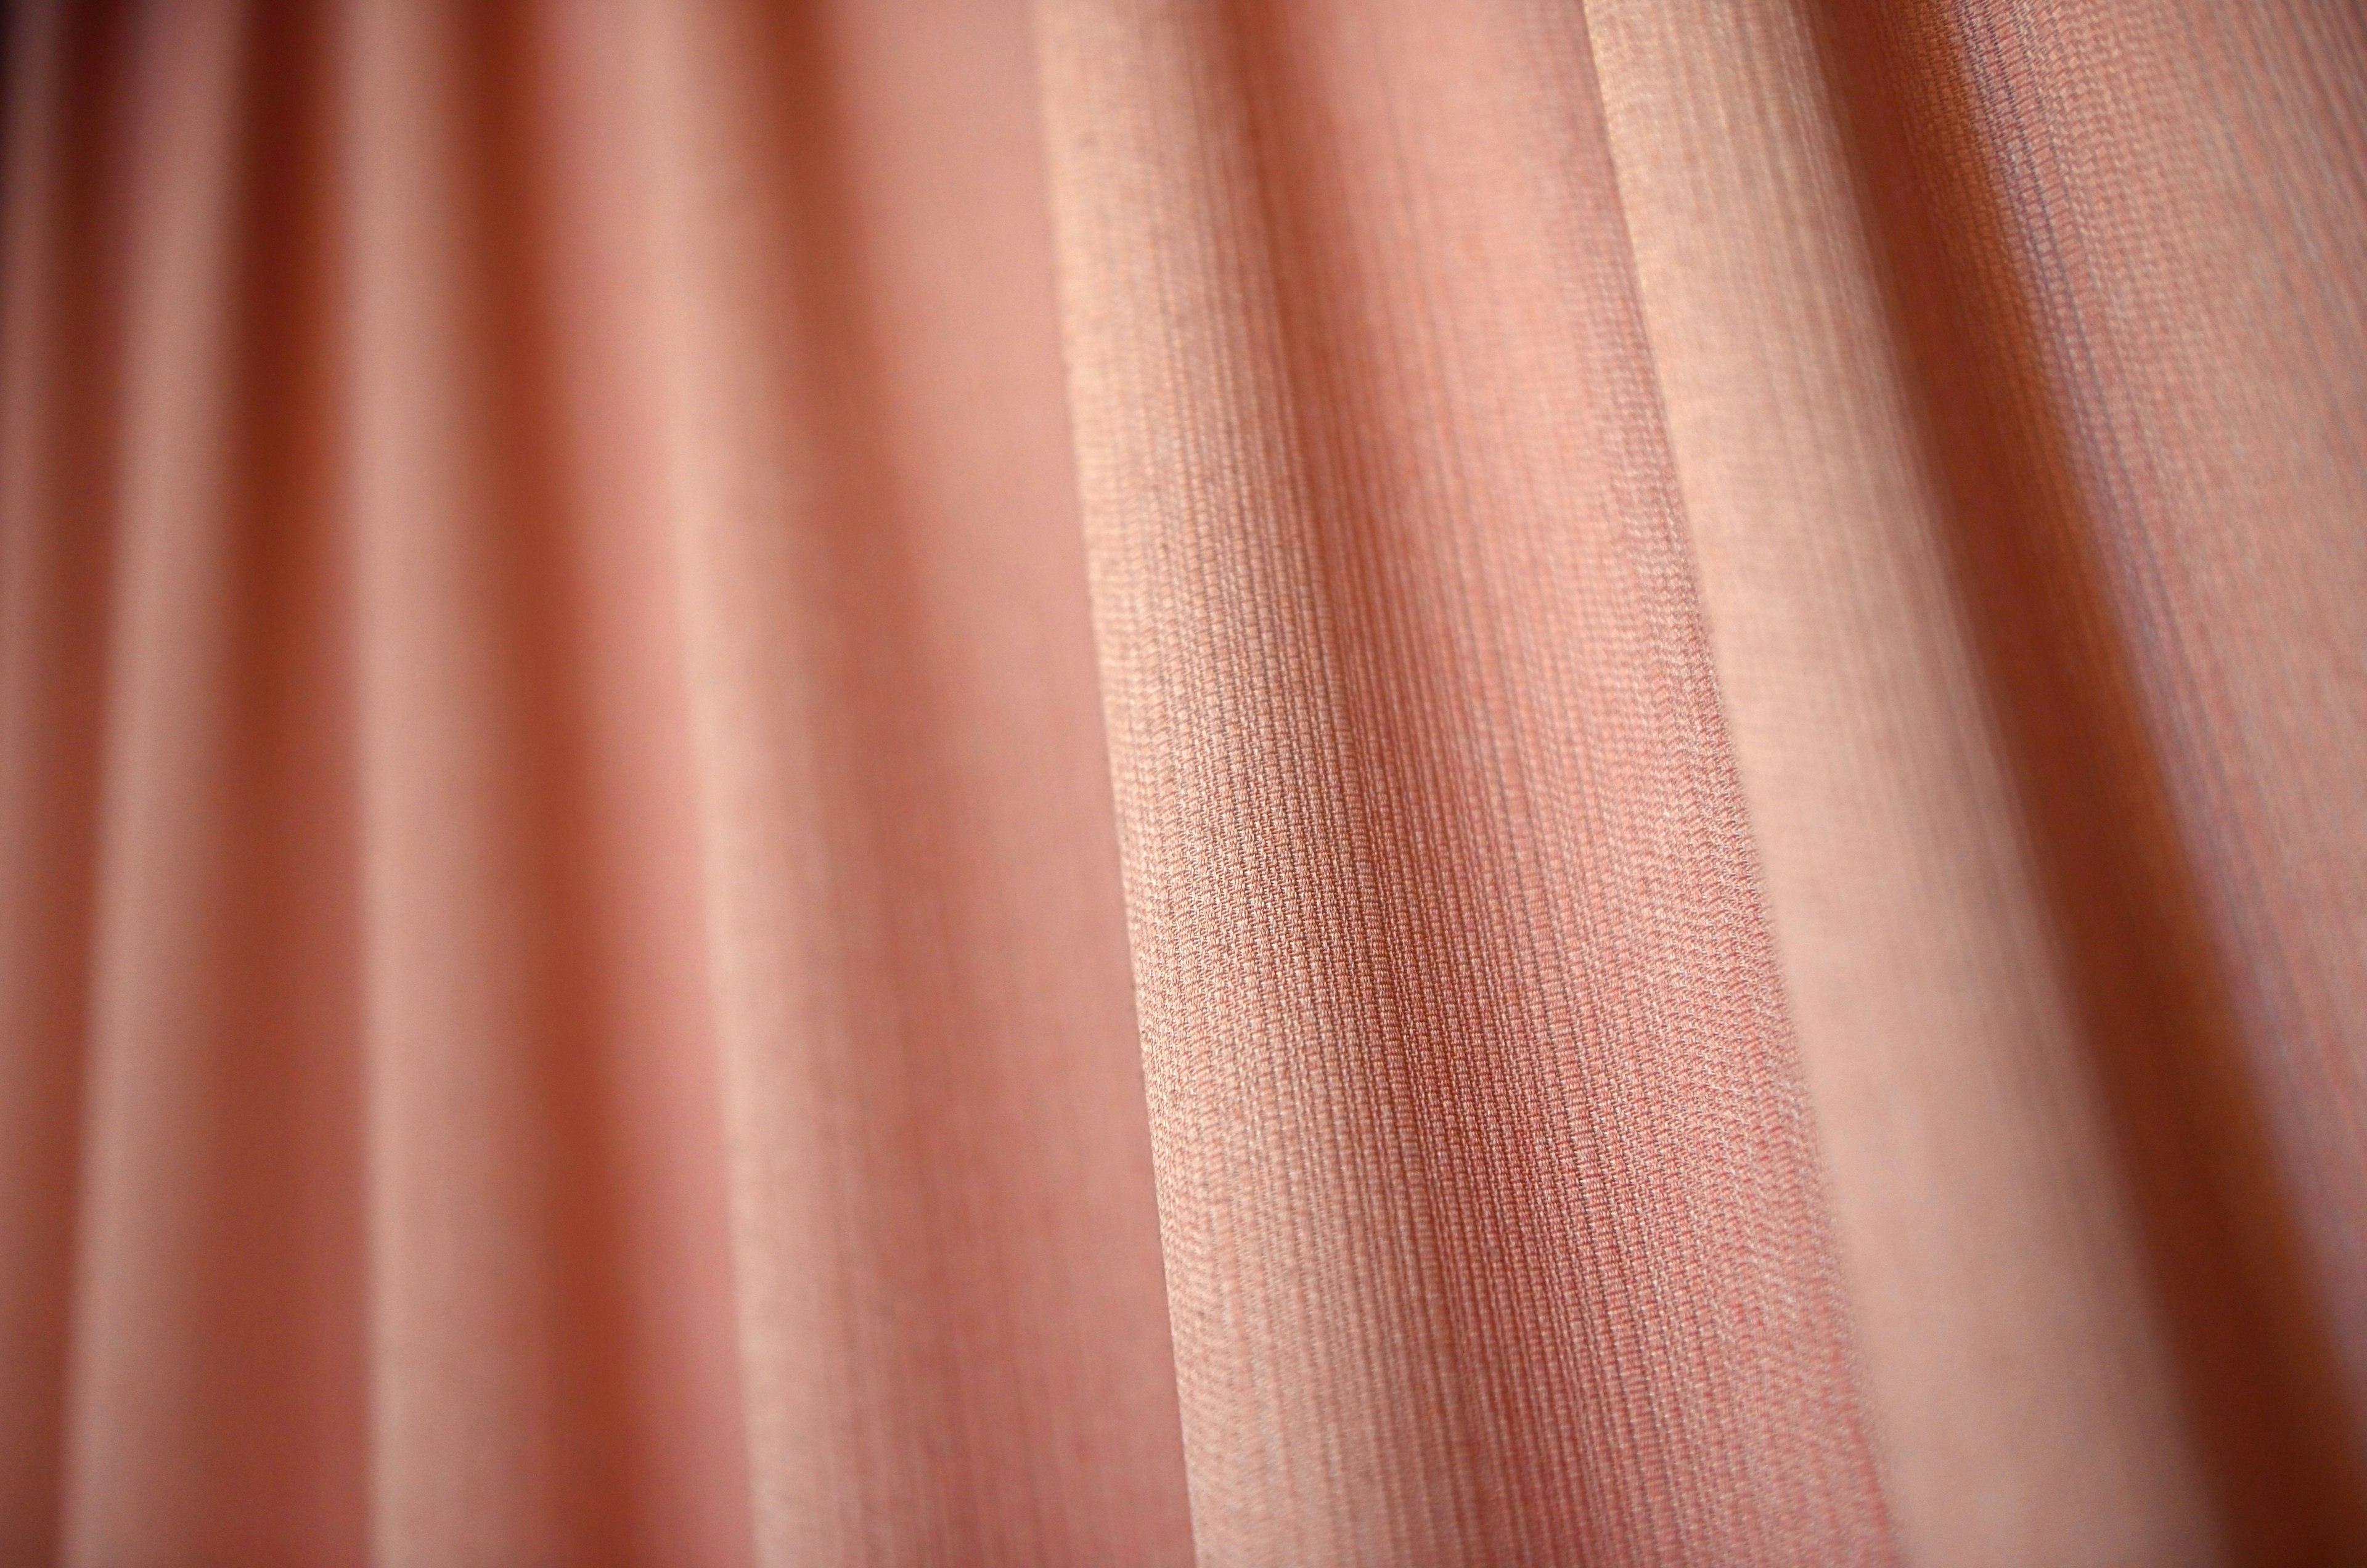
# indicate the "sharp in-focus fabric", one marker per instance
pixel 1276 782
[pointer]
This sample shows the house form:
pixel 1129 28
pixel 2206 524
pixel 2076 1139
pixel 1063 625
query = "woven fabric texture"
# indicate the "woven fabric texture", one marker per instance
pixel 1276 782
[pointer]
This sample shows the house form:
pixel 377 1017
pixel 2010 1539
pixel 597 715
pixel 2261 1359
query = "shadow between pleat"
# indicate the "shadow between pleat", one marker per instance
pixel 1948 226
pixel 68 146
pixel 549 1284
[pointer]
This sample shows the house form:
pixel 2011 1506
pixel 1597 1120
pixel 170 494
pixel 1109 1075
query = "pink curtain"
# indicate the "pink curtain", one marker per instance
pixel 1301 781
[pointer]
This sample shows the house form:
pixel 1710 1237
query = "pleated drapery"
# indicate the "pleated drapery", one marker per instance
pixel 1417 782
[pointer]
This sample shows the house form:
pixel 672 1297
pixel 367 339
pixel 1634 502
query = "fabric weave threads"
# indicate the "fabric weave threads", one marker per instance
pixel 1128 781
pixel 1418 769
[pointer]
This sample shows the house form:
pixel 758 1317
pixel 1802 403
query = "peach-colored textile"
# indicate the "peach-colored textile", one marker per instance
pixel 1296 782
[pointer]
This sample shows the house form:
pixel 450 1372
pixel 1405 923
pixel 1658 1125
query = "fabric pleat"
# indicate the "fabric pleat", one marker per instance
pixel 1269 782
pixel 952 1334
pixel 1482 1158
pixel 69 167
pixel 218 1281
pixel 1880 605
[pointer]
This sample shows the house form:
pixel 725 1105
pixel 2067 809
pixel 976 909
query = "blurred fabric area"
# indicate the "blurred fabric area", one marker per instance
pixel 1284 782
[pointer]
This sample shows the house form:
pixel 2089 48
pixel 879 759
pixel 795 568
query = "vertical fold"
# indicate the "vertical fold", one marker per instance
pixel 2108 236
pixel 66 201
pixel 1493 1219
pixel 216 1408
pixel 551 1377
pixel 2022 1368
pixel 949 1292
pixel 646 955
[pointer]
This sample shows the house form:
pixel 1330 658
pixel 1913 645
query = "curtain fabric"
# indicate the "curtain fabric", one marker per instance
pixel 1415 782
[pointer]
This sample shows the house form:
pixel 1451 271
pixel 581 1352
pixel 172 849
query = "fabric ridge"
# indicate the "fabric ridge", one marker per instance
pixel 1264 781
